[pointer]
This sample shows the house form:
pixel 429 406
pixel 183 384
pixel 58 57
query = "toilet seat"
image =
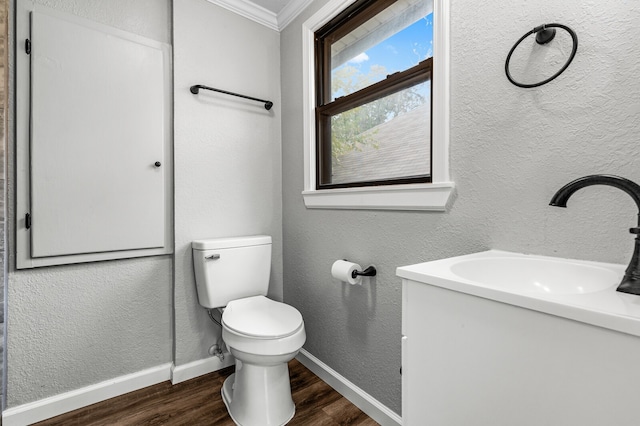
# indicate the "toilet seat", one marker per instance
pixel 261 318
pixel 260 326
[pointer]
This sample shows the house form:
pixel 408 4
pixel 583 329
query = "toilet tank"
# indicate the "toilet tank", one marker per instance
pixel 231 268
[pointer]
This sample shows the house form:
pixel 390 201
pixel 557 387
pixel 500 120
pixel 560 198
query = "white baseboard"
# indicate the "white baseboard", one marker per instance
pixel 59 404
pixel 194 369
pixel 371 406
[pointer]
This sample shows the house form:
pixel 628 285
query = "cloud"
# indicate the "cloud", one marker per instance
pixel 360 58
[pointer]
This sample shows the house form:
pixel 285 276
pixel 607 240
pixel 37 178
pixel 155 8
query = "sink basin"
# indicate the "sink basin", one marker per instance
pixel 536 275
pixel 578 290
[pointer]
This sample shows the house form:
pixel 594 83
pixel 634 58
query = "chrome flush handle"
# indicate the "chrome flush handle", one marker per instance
pixel 212 257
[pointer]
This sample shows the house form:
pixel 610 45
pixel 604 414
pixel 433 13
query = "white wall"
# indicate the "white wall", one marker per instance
pixel 73 326
pixel 511 149
pixel 227 151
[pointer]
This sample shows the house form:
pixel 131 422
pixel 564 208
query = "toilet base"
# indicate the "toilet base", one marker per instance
pixel 259 395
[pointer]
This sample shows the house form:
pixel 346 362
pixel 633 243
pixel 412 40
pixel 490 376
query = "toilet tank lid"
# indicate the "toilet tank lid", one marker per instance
pixel 231 242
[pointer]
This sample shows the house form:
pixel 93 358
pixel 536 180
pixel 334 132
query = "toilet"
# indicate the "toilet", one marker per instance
pixel 263 335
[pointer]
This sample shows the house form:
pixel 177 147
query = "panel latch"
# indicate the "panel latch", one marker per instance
pixel 27 220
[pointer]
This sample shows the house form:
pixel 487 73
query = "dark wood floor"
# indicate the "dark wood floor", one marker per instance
pixel 198 402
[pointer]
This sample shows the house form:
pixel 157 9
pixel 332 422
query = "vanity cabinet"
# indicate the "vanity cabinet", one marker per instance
pixel 469 360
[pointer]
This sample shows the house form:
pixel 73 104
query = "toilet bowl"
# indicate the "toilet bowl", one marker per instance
pixel 263 335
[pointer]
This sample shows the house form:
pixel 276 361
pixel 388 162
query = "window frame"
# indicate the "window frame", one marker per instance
pixel 401 196
pixel 347 21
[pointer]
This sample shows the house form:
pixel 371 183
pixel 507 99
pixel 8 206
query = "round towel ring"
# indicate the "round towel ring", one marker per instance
pixel 544 34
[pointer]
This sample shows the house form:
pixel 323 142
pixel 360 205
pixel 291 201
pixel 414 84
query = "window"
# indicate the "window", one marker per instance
pixel 376 124
pixel 373 95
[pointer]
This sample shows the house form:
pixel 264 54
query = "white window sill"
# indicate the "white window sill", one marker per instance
pixel 429 196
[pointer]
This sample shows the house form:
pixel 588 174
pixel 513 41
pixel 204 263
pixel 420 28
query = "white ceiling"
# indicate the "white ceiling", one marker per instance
pixel 275 14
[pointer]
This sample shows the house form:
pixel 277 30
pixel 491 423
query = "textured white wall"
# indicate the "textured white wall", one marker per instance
pixel 73 326
pixel 511 149
pixel 227 151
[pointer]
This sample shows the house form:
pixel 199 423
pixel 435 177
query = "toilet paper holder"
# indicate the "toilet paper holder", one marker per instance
pixel 369 272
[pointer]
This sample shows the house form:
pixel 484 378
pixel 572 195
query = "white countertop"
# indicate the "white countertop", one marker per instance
pixel 605 308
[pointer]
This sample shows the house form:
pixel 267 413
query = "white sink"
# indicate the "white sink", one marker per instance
pixel 536 274
pixel 580 290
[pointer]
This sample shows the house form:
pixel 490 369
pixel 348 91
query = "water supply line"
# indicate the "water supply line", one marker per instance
pixel 210 312
pixel 219 348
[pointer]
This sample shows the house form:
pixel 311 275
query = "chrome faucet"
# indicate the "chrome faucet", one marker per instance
pixel 631 280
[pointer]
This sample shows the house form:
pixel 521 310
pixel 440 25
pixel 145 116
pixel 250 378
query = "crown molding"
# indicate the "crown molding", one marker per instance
pixel 290 11
pixel 250 11
pixel 264 16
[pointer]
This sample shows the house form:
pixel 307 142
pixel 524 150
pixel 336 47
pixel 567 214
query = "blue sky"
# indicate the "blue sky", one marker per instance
pixel 400 51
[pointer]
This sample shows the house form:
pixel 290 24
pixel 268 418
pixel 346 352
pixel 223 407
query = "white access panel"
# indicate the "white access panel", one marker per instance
pixel 98 111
